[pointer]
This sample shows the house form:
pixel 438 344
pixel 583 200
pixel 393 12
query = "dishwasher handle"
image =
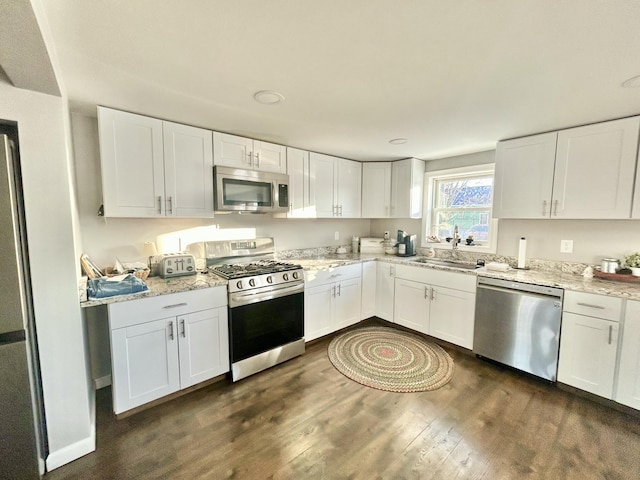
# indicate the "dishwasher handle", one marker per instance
pixel 512 287
pixel 513 291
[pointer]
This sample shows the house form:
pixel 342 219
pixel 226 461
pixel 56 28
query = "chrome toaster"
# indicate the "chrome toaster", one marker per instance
pixel 168 265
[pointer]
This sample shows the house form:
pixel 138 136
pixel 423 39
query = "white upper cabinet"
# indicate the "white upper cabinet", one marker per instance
pixel 524 177
pixel 299 197
pixel 152 168
pixel 579 173
pixel 246 153
pixel 335 186
pixel 376 189
pixel 407 179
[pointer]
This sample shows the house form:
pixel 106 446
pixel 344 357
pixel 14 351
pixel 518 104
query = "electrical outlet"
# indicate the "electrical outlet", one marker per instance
pixel 566 246
pixel 336 236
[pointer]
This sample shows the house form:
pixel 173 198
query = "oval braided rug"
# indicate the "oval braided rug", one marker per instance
pixel 389 359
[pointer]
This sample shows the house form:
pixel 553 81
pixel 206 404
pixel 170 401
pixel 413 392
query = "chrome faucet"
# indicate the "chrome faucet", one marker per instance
pixel 456 237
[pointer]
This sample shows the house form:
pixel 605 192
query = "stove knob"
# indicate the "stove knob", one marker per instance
pixel 239 284
pixel 295 275
pixel 252 282
pixel 285 277
pixel 269 279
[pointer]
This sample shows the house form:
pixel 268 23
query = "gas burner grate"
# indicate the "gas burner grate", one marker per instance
pixel 241 270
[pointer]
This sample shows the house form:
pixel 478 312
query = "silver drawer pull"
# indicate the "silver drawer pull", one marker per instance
pixel 590 305
pixel 183 304
pixel 335 275
pixel 610 333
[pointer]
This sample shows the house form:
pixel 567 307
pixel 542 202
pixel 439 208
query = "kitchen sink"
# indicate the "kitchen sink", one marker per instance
pixel 444 263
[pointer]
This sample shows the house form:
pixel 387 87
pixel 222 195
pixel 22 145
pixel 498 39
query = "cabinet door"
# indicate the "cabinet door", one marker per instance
pixel 322 179
pixel 269 157
pixel 188 171
pixel 132 164
pixel 524 177
pixel 628 391
pixel 144 363
pixel 318 311
pixel 203 345
pixel 368 305
pixel 348 300
pixel 588 348
pixel 595 168
pixel 232 150
pixel 385 287
pixel 412 305
pixel 349 188
pixel 407 179
pixel 298 170
pixel 451 316
pixel 376 189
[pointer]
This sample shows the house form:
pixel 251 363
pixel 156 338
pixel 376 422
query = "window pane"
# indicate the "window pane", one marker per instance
pixel 464 193
pixel 475 223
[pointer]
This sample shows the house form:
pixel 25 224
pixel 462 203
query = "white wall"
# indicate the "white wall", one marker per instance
pixel 48 210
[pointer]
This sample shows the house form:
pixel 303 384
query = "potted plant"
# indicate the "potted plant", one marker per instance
pixel 633 262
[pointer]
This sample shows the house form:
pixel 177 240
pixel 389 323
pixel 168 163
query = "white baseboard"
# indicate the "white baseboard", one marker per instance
pixel 72 452
pixel 102 382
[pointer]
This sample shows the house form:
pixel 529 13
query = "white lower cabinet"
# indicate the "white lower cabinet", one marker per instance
pixel 628 386
pixel 425 302
pixel 589 342
pixel 332 300
pixel 163 344
pixel 369 278
pixel 385 287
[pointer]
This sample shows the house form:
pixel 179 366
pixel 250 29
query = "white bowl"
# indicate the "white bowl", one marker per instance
pixel 391 250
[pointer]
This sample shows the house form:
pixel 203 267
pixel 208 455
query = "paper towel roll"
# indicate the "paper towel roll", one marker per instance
pixel 522 251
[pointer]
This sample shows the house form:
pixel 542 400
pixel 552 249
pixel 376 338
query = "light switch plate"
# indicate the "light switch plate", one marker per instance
pixel 566 246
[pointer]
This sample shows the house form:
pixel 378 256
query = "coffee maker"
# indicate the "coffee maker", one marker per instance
pixel 406 244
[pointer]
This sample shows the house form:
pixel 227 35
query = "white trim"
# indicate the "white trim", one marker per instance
pixel 72 452
pixel 429 180
pixel 102 382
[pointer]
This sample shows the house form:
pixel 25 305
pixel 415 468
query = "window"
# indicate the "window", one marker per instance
pixel 462 198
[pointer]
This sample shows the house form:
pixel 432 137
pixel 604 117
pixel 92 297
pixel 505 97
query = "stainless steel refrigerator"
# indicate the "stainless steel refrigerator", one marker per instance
pixel 22 429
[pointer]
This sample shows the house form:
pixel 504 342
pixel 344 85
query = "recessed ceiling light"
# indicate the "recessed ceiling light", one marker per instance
pixel 268 97
pixel 398 141
pixel 633 82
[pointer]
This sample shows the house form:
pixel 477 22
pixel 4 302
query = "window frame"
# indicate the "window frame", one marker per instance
pixel 430 180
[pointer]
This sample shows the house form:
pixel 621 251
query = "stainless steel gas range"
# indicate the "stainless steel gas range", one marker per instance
pixel 266 302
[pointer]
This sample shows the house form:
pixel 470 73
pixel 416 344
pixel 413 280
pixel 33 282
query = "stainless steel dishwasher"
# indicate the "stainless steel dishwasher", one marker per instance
pixel 518 324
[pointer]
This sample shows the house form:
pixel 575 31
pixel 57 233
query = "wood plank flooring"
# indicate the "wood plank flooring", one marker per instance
pixel 304 420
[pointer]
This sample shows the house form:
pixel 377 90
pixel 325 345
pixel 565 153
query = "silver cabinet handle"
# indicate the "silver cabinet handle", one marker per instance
pixel 339 289
pixel 340 210
pixel 159 204
pixel 391 272
pixel 335 275
pixel 433 293
pixel 171 330
pixel 257 159
pixel 426 293
pixel 610 333
pixel 169 205
pixel 555 208
pixel 333 291
pixel 250 155
pixel 544 208
pixel 182 329
pixel 590 305
pixel 176 305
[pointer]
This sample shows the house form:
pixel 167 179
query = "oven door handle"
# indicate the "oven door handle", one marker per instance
pixel 239 299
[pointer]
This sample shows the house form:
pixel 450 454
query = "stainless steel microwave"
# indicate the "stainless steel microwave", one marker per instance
pixel 238 190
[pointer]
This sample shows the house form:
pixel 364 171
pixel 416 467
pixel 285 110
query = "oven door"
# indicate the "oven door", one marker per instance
pixel 265 319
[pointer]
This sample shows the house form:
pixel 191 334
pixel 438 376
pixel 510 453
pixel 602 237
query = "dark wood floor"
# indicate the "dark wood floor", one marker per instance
pixel 304 420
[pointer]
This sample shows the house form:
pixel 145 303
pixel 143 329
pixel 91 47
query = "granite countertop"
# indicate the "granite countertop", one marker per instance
pixel 567 281
pixel 161 286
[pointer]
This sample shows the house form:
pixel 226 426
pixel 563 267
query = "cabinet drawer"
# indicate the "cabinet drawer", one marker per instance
pixel 336 274
pixel 454 280
pixel 599 306
pixel 133 312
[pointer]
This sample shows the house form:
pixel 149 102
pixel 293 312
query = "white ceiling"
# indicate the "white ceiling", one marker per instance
pixel 452 77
